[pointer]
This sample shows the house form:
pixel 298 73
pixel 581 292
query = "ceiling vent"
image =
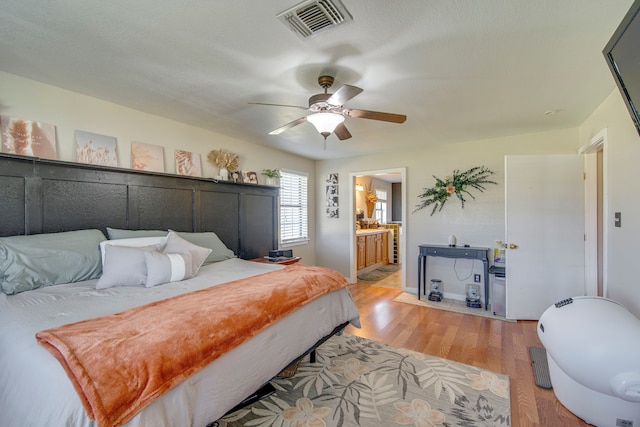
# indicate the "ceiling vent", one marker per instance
pixel 311 17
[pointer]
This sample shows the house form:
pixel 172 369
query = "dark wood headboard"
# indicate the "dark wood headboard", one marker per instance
pixel 44 196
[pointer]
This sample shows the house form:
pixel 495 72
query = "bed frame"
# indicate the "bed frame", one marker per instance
pixel 268 389
pixel 45 196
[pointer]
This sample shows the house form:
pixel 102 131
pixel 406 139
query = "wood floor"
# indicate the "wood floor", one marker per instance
pixel 486 343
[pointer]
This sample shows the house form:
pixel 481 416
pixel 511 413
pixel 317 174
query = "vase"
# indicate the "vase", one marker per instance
pixel 224 173
pixel 370 207
pixel 272 181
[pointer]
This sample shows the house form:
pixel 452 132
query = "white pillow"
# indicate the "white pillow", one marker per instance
pixel 135 242
pixel 166 268
pixel 177 245
pixel 137 261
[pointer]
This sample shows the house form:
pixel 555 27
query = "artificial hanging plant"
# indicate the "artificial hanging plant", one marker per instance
pixel 438 195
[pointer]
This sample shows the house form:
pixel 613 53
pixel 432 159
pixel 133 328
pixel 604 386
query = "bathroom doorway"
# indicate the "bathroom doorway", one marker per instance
pixel 378 209
pixel 595 153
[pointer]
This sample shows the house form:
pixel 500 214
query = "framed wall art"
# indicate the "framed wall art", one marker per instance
pixel 96 149
pixel 188 163
pixel 147 157
pixel 28 138
pixel 331 196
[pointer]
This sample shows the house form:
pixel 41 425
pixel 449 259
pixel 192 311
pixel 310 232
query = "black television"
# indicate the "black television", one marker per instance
pixel 623 57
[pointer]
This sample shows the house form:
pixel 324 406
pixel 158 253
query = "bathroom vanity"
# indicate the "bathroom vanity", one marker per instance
pixel 372 247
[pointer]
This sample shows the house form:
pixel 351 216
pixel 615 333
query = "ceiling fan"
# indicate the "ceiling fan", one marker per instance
pixel 328 114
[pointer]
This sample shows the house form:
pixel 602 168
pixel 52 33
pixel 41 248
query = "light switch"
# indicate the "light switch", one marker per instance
pixel 617 219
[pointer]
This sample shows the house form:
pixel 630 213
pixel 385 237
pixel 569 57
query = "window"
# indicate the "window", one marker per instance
pixel 381 206
pixel 293 207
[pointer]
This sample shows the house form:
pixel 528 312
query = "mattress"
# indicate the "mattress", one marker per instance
pixel 35 390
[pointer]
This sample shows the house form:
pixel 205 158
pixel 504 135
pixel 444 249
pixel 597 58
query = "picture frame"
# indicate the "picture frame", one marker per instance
pixel 147 157
pixel 28 138
pixel 331 195
pixel 188 163
pixel 249 177
pixel 235 176
pixel 95 149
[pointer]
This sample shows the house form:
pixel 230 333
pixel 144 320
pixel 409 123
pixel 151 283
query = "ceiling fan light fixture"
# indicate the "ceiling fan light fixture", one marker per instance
pixel 324 122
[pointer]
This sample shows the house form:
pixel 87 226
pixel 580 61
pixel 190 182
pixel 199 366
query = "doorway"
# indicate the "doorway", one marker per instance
pixel 595 154
pixel 382 214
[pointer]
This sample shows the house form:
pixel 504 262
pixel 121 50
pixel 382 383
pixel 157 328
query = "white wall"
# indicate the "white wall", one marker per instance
pixel 623 195
pixel 71 111
pixel 480 223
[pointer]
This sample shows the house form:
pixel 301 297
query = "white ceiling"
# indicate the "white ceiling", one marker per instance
pixel 460 70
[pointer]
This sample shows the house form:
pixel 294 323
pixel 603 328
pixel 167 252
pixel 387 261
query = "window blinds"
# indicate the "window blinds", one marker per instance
pixel 293 207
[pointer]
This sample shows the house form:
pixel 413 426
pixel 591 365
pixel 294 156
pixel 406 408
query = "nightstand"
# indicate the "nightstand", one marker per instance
pixel 284 261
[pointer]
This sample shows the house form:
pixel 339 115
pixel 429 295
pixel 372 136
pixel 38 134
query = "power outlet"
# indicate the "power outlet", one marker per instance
pixel 476 278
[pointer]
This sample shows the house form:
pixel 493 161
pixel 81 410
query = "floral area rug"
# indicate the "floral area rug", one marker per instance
pixel 359 382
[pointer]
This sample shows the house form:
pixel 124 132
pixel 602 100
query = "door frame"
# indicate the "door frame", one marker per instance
pixel 353 262
pixel 589 150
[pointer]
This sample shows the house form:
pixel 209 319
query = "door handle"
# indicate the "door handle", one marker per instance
pixel 513 246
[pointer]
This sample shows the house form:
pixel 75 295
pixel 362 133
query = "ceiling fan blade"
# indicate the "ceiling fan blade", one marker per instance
pixel 288 126
pixel 342 132
pixel 375 115
pixel 279 105
pixel 342 95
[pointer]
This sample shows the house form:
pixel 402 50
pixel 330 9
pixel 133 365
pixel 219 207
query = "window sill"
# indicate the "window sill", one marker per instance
pixel 296 243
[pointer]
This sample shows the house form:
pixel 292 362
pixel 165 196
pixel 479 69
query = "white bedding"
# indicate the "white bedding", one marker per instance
pixel 35 390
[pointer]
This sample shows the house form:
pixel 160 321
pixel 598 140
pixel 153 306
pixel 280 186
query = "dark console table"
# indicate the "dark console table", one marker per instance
pixel 444 251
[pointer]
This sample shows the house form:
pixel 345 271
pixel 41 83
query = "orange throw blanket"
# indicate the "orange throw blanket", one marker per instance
pixel 120 363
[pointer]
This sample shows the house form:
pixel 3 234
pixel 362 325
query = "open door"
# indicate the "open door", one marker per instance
pixel 544 232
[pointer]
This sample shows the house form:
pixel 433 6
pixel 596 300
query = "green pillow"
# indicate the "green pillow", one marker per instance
pixel 117 233
pixel 35 261
pixel 209 239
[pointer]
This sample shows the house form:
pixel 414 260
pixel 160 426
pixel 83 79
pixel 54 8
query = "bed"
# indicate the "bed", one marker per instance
pixel 36 390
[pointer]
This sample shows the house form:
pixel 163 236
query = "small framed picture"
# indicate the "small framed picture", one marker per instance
pixel 249 177
pixel 235 176
pixel 332 178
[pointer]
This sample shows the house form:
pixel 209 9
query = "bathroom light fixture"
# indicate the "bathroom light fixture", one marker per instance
pixel 359 187
pixel 324 122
